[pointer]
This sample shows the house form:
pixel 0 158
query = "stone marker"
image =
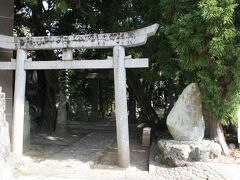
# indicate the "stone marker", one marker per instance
pixel 146 137
pixel 185 121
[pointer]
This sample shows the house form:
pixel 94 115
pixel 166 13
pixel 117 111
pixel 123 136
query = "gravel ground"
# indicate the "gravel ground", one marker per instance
pixel 76 162
pixel 193 171
pixel 83 153
pixel 221 168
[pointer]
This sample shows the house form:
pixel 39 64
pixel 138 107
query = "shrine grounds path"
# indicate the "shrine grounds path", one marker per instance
pixel 94 156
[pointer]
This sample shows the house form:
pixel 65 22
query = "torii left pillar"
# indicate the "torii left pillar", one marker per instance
pixel 19 99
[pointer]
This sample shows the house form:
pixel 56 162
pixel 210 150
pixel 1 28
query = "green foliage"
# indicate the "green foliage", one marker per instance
pixel 62 5
pixel 197 42
pixel 32 2
pixel 205 39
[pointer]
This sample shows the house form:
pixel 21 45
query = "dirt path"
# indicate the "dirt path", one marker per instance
pixel 94 156
pixel 139 156
pixel 82 153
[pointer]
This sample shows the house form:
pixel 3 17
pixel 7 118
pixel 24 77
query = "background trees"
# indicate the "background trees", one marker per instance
pixel 197 41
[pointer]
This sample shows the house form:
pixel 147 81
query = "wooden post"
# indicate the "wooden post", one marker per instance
pixel 19 99
pixel 121 106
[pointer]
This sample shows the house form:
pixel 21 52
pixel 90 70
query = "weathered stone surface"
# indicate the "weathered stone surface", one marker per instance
pixel 146 136
pixel 179 153
pixel 27 124
pixel 185 121
pixel 4 138
pixel 2 101
pixel 4 131
pixel 5 171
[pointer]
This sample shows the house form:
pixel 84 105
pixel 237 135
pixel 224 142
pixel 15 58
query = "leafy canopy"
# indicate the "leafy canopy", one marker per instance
pixel 205 37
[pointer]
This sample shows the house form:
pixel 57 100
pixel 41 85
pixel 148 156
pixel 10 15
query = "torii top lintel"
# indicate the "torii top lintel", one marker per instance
pixel 95 41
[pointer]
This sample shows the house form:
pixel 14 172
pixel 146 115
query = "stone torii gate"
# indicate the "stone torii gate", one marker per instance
pixel 119 62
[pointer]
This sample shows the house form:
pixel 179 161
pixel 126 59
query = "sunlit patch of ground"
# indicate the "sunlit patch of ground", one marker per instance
pixel 43 146
pixel 139 156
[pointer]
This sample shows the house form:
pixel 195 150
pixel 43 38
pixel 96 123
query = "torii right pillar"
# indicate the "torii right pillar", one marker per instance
pixel 121 106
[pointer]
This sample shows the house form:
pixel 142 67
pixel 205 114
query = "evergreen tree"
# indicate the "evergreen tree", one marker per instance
pixel 205 38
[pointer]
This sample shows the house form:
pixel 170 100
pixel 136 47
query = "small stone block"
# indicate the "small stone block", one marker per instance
pixel 146 136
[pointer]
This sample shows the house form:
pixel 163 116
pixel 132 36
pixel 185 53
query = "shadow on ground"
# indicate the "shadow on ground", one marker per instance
pixel 97 150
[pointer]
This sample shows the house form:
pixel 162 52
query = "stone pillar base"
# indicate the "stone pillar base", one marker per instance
pixel 180 153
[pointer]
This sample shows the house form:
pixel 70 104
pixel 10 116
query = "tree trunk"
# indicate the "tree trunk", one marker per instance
pixel 48 80
pixel 94 99
pixel 47 92
pixel 132 107
pixel 142 99
pixel 217 134
pixel 50 110
pixel 101 104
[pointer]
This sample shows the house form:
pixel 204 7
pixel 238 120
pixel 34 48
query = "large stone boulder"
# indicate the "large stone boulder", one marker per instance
pixel 185 121
pixel 180 153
